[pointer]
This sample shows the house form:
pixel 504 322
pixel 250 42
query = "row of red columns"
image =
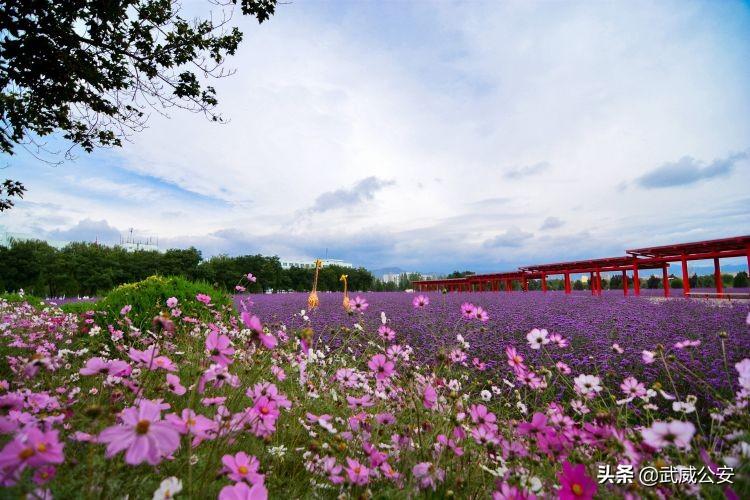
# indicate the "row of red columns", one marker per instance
pixel 595 281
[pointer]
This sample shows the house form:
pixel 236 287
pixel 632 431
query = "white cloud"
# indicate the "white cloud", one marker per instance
pixel 484 120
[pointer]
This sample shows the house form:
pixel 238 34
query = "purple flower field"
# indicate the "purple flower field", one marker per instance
pixel 591 324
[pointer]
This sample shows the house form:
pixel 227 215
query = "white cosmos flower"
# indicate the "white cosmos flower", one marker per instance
pixel 168 489
pixel 587 385
pixel 537 338
pixel 485 395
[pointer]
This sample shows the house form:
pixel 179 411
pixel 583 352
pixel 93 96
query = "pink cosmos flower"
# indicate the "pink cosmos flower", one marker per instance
pixel 632 388
pixel 361 402
pixel 484 435
pixel 115 367
pixel 574 483
pixel 428 475
pixel 202 297
pixel 420 301
pixel 358 474
pixel 479 365
pixel 429 397
pixel 468 310
pixel 143 433
pixel 662 434
pixel 648 357
pixel 239 288
pixel 481 314
pixel 173 383
pixel 241 491
pixel 31 447
pixel 126 309
pixel 242 467
pixel 220 348
pixel 253 323
pixel 251 278
pixel 386 333
pixel 279 373
pixel 218 375
pixel 172 302
pixel 444 441
pixel 198 426
pixel 44 474
pixel 270 391
pixel 481 416
pixel 515 360
pixel 359 304
pixel 381 367
pixel 332 470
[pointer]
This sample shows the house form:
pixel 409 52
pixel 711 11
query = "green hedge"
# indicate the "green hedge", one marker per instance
pixel 148 298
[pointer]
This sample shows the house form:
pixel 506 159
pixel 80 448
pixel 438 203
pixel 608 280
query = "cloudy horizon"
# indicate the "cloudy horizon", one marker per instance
pixel 434 137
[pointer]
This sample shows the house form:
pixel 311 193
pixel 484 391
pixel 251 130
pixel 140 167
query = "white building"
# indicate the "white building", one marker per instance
pixel 310 264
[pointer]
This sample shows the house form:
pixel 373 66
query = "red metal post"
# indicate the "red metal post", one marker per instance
pixel 717 277
pixel 567 283
pixel 625 282
pixel 665 279
pixel 636 278
pixel 592 283
pixel 525 284
pixel 544 283
pixel 685 278
pixel 508 286
pixel 598 282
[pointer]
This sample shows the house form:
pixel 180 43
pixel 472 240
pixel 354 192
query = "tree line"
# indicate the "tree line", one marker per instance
pixel 92 269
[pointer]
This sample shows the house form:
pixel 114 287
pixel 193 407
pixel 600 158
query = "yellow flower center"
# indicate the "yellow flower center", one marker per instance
pixel 26 453
pixel 41 447
pixel 577 489
pixel 242 469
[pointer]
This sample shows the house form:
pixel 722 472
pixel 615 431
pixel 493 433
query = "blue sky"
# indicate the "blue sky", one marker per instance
pixel 436 136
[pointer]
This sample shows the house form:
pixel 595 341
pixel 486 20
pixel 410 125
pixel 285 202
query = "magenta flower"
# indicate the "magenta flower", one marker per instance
pixel 251 278
pixel 219 347
pixel 172 302
pixel 253 323
pixel 381 367
pixel 428 475
pixel 202 297
pixel 241 491
pixel 386 333
pixel 31 447
pixel 189 422
pixel 361 402
pixel 468 310
pixel 359 304
pixel 429 397
pixel 173 383
pixel 97 366
pixel 574 483
pixel 358 474
pixel 242 467
pixel 420 301
pixel 481 314
pixel 481 416
pixel 142 433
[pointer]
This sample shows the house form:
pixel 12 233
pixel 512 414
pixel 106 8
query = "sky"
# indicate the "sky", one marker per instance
pixel 435 136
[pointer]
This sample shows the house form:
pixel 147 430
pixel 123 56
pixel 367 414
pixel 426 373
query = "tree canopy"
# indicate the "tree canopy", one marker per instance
pixel 93 69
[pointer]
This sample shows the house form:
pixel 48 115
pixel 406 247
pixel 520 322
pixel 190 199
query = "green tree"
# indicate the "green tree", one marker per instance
pixel 740 280
pixel 92 70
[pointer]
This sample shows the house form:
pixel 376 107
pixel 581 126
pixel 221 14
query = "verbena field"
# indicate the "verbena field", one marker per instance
pixel 519 395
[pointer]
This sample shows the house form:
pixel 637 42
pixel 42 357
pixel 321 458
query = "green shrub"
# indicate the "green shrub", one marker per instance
pixel 148 298
pixel 15 298
pixel 80 307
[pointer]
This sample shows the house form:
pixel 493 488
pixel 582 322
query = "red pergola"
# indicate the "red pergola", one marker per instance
pixel 738 246
pixel 641 258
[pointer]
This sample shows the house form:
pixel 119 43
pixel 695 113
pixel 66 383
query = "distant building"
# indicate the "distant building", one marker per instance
pixel 139 247
pixel 310 264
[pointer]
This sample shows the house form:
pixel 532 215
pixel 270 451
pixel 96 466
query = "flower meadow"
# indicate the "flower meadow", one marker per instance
pixel 399 395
